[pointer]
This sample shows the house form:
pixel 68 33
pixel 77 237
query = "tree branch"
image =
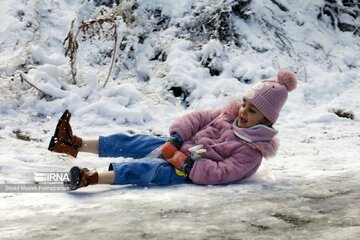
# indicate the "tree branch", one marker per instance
pixel 23 79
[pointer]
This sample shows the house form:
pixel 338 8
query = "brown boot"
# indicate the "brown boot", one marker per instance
pixel 82 177
pixel 61 147
pixel 64 132
pixel 63 140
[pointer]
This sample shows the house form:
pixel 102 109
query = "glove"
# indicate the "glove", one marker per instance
pixel 196 151
pixel 172 145
pixel 171 153
pixel 180 161
pixel 176 140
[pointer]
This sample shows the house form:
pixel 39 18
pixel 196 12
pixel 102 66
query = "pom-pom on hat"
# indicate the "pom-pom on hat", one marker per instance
pixel 269 96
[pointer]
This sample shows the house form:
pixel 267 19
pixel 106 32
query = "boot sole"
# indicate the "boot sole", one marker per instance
pixel 55 141
pixel 52 144
pixel 74 176
pixel 60 121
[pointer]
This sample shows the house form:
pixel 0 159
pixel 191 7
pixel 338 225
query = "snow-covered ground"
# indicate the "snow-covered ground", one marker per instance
pixel 308 191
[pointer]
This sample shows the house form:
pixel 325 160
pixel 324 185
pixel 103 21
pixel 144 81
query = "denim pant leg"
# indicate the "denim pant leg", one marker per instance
pixel 123 145
pixel 146 173
pixel 141 173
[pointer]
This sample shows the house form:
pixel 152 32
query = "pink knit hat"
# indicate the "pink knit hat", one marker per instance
pixel 269 96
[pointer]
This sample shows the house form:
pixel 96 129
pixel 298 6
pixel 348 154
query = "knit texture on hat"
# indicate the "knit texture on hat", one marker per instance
pixel 269 96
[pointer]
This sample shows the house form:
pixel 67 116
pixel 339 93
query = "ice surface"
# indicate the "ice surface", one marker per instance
pixel 308 191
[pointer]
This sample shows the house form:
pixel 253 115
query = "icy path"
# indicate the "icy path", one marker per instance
pixel 315 195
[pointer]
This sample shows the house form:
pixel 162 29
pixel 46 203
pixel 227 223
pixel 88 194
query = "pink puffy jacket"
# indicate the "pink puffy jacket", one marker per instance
pixel 228 158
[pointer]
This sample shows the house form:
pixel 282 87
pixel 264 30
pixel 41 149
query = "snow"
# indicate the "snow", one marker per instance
pixel 308 191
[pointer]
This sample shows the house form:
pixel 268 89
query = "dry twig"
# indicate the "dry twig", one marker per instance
pixel 23 79
pixel 71 50
pixel 91 28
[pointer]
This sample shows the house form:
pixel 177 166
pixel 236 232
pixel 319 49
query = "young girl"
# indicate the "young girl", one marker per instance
pixel 205 147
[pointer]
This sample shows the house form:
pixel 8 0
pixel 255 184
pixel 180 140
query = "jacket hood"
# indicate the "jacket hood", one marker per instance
pixel 267 149
pixel 259 137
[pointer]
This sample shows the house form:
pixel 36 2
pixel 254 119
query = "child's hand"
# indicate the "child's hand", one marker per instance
pixel 171 146
pixel 171 153
pixel 181 162
pixel 168 150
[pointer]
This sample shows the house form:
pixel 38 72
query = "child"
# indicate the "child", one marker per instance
pixel 205 147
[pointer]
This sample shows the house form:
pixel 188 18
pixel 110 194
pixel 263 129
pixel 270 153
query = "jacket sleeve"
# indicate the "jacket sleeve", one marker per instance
pixel 188 125
pixel 233 169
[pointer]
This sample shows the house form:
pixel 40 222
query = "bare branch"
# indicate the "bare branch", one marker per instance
pixel 113 55
pixel 89 29
pixel 23 79
pixel 71 50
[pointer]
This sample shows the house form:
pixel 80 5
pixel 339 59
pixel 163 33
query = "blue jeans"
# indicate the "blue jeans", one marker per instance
pixel 147 172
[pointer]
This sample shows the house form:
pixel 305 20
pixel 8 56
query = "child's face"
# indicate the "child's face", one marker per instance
pixel 249 115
